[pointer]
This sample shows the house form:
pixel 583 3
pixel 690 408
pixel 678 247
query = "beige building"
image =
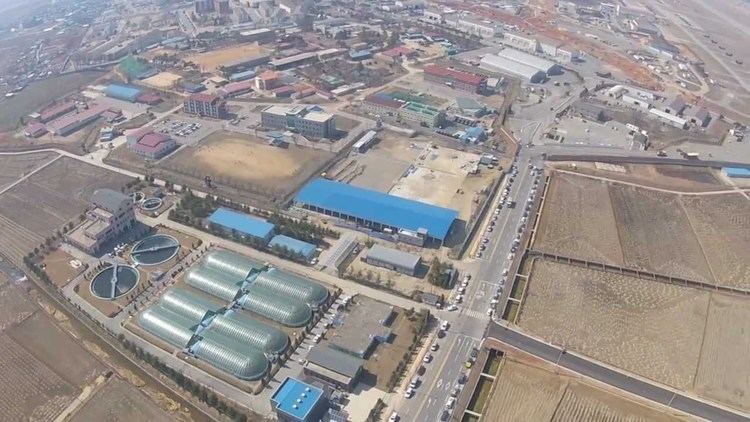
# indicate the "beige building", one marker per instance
pixel 111 213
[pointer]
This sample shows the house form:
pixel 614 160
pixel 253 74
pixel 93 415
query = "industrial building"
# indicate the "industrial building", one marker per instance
pixel 736 172
pixel 235 88
pixel 149 144
pixel 34 130
pixel 207 105
pixel 393 259
pixel 305 120
pixel 668 118
pixel 366 323
pixel 297 401
pixel 304 249
pixel 57 110
pixel 477 27
pixel 382 104
pixel 72 122
pixel 547 66
pixel 377 210
pixel 122 92
pixel 522 71
pixel 456 79
pixel 245 63
pixel 242 224
pixel 333 366
pixel 110 214
pixel 364 142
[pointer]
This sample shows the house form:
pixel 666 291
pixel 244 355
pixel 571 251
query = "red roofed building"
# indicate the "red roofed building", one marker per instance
pixel 285 91
pixel 149 144
pixel 457 79
pixel 208 105
pixel 68 124
pixel 35 130
pixel 55 111
pixel 235 88
pixel 400 51
pixel 381 104
pixel 267 80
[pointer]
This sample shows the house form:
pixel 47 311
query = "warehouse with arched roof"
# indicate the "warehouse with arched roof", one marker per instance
pixel 246 330
pixel 232 263
pixel 213 281
pixel 242 362
pixel 271 305
pixel 290 285
pixel 189 303
pixel 169 326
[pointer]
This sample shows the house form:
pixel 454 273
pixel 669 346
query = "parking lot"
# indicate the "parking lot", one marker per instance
pixel 187 130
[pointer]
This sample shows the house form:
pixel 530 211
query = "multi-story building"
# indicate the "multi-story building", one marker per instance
pixel 149 144
pixel 456 79
pixel 205 105
pixel 308 121
pixel 422 113
pixel 476 27
pixel 383 105
pixel 111 213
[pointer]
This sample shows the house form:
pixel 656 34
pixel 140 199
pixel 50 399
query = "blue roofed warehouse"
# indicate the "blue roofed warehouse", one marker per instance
pixel 307 250
pixel 376 210
pixel 242 223
pixel 296 401
pixel 122 92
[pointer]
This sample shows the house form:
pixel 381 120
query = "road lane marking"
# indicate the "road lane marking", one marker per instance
pixel 439 371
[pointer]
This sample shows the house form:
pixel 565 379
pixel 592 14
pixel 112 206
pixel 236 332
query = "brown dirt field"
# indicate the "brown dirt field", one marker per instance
pixel 524 393
pixel 59 269
pixel 527 392
pixel 56 195
pixel 211 60
pixel 677 178
pixel 386 356
pixel 46 342
pixel 649 328
pixel 656 235
pixel 14 305
pixel 29 390
pixel 723 373
pixel 248 164
pixel 120 401
pixel 578 221
pixel 722 225
pixel 13 167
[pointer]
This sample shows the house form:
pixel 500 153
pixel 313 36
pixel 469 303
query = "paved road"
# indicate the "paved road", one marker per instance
pixel 614 378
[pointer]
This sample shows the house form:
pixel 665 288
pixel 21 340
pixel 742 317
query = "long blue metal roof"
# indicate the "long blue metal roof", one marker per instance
pixel 378 207
pixel 304 248
pixel 243 223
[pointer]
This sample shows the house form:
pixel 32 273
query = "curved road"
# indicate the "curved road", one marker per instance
pixel 608 376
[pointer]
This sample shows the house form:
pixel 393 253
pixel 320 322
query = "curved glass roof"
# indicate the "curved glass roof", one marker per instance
pixel 188 303
pixel 281 309
pixel 252 332
pixel 173 328
pixel 290 285
pixel 231 263
pixel 242 362
pixel 213 282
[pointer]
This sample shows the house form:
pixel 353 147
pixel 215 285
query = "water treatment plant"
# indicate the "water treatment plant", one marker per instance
pixel 114 281
pixel 155 250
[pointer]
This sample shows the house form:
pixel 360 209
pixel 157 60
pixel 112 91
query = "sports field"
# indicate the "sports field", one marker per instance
pixel 211 60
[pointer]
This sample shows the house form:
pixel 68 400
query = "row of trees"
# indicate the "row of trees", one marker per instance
pixel 202 393
pixel 440 274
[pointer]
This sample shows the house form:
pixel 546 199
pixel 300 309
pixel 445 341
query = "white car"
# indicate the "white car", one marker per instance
pixel 452 307
pixel 408 393
pixel 489 312
pixel 434 346
pixel 394 417
pixel 444 325
pixel 449 404
pixel 427 358
pixel 505 272
pixel 459 298
pixel 461 290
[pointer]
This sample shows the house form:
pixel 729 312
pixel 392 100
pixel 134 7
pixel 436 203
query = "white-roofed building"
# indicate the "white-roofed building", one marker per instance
pixel 527 73
pixel 547 66
pixel 302 119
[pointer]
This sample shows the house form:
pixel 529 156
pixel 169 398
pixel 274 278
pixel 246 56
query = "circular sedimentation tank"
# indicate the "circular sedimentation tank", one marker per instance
pixel 155 249
pixel 151 204
pixel 114 282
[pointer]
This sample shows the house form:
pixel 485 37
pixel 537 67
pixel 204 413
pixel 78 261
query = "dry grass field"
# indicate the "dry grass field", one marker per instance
pixel 247 164
pixel 699 237
pixel 163 80
pixel 723 373
pixel 656 235
pixel 722 225
pixel 13 167
pixel 649 328
pixel 119 401
pixel 578 221
pixel 526 392
pixel 211 60
pixel 42 368
pixel 55 195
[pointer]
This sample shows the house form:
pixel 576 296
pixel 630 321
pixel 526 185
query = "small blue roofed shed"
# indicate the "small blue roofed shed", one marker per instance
pixel 375 209
pixel 122 92
pixel 298 401
pixel 305 249
pixel 242 223
pixel 737 172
